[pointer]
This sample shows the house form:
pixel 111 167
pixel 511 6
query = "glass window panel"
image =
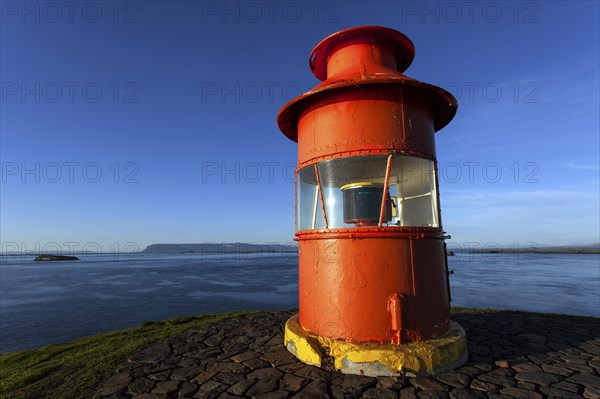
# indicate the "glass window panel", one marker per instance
pixel 353 191
pixel 309 211
pixel 336 174
pixel 416 195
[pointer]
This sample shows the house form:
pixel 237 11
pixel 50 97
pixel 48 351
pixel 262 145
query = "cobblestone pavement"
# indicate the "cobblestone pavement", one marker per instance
pixel 511 355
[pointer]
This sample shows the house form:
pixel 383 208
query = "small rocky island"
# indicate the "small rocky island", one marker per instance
pixel 46 257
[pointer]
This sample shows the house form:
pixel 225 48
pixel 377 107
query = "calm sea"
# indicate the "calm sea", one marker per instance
pixel 49 302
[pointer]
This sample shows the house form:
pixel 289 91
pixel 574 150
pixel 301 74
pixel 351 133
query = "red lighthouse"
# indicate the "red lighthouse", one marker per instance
pixel 373 278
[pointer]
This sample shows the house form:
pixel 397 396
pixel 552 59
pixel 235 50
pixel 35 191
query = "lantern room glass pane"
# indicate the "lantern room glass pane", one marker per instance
pixel 353 189
pixel 353 193
pixel 309 211
pixel 415 181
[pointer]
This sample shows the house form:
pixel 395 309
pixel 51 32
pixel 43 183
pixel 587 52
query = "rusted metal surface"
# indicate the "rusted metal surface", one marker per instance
pixel 377 283
pixel 372 118
pixel 345 284
pixel 396 306
pixel 363 70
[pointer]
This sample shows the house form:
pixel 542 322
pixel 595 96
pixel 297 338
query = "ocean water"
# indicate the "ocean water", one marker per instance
pixel 49 302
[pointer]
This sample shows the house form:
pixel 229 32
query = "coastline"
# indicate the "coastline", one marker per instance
pixel 85 366
pixel 532 251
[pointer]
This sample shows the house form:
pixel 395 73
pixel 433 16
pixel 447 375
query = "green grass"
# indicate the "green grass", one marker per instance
pixel 76 369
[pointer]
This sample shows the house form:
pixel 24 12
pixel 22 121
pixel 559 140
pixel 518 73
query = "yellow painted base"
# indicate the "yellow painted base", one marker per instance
pixel 376 359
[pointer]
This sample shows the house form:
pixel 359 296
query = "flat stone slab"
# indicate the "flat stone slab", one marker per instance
pixel 511 355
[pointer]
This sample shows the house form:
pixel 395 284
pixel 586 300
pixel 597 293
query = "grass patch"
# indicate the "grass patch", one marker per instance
pixel 76 369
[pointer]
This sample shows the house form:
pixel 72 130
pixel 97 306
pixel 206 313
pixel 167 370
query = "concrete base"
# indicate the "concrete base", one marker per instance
pixel 376 359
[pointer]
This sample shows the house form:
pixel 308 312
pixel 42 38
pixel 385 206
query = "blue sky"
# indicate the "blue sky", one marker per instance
pixel 131 123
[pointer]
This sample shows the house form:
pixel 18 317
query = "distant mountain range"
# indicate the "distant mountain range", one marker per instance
pixel 590 247
pixel 217 248
pixel 554 249
pixel 242 247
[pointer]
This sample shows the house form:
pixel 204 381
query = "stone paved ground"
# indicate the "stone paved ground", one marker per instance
pixel 511 355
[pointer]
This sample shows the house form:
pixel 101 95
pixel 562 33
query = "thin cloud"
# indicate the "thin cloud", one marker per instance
pixel 580 166
pixel 520 197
